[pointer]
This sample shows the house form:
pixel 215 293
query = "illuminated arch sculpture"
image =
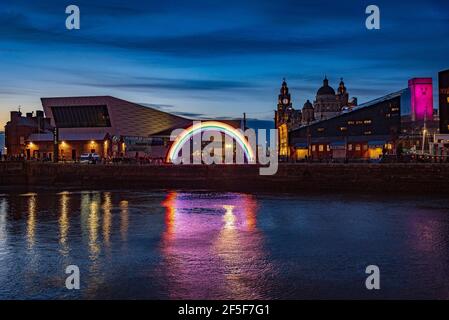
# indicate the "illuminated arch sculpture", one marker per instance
pixel 185 136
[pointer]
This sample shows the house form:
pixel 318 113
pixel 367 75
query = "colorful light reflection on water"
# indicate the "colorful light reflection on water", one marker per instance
pixel 206 245
pixel 233 255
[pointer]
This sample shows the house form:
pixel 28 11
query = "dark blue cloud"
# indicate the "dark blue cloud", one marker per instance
pixel 191 115
pixel 148 83
pixel 160 106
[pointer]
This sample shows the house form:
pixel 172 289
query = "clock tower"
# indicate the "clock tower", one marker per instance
pixel 285 112
pixel 284 101
pixel 285 118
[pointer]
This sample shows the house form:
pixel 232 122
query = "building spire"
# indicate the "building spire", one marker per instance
pixel 341 87
pixel 284 88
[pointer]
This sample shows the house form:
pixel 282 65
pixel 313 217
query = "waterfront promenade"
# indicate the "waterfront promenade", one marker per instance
pixel 414 178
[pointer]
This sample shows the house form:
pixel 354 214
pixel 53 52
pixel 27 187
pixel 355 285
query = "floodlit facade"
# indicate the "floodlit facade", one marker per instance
pixel 103 125
pixel 115 127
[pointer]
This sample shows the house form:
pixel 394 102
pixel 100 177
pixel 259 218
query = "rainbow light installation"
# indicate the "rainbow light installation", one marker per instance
pixel 185 136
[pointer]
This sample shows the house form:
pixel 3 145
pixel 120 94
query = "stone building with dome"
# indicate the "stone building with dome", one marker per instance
pixel 329 104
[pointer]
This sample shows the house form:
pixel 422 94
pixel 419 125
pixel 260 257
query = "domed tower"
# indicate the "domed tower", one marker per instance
pixel 326 104
pixel 326 89
pixel 341 87
pixel 308 113
pixel 342 96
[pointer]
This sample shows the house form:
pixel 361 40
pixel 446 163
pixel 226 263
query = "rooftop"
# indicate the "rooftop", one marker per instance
pixel 363 105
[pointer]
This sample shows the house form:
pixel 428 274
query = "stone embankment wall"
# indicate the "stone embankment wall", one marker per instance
pixel 411 178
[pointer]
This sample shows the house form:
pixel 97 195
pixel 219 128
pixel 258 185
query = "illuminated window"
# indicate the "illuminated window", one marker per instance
pixel 328 148
pixel 343 128
pixel 313 148
pixel 350 122
pixel 447 99
pixel 320 129
pixel 367 132
pixel 321 148
pixel 357 147
pixel 367 121
pixel 350 147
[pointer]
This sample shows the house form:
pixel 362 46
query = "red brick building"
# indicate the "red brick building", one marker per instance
pixel 18 130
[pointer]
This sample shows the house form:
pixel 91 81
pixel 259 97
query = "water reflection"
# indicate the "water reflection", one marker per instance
pixel 64 223
pixel 244 262
pixel 93 225
pixel 107 219
pixel 3 229
pixel 211 247
pixel 31 220
pixel 220 245
pixel 124 219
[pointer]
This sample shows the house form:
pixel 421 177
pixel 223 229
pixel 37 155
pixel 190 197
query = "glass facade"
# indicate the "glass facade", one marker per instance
pixel 81 116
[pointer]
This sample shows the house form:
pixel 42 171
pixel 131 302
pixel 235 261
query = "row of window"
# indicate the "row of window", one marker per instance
pixel 351 147
pixel 359 122
pixel 350 122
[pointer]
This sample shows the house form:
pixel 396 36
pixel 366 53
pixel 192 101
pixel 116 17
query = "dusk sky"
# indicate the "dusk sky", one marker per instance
pixel 215 58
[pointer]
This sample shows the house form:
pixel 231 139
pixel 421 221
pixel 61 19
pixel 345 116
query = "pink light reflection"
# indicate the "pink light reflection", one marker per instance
pixel 211 247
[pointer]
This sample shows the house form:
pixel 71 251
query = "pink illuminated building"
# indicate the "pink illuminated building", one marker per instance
pixel 421 94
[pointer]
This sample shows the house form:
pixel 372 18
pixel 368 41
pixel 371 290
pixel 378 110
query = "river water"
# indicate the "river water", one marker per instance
pixel 205 245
